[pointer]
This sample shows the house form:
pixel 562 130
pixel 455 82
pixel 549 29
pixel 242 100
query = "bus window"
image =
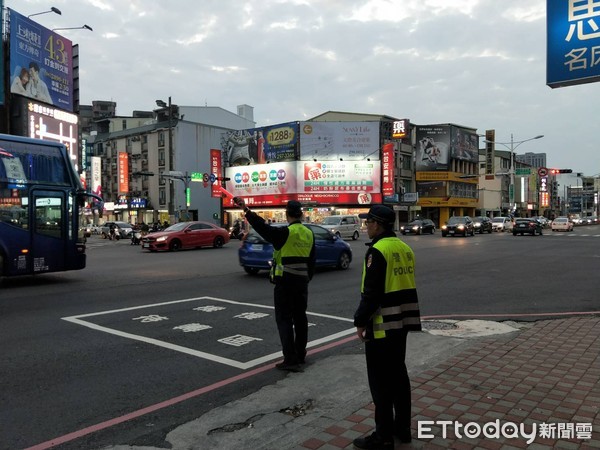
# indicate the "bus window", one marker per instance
pixel 14 211
pixel 48 216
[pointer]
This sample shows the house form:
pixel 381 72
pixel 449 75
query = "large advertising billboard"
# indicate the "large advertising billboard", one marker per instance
pixel 335 141
pixel 41 63
pixel 329 182
pixel 464 145
pixel 261 145
pixel 96 175
pixel 51 124
pixel 433 148
pixel 123 173
pixel 573 40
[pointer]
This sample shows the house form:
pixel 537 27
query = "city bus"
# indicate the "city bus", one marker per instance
pixel 41 208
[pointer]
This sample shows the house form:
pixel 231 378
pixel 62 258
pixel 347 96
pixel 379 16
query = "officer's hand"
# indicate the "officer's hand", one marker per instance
pixel 239 202
pixel 360 332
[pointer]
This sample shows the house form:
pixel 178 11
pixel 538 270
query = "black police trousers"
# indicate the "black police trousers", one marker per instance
pixel 389 384
pixel 291 300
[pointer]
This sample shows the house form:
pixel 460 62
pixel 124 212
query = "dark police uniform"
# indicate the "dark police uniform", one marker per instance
pixel 293 268
pixel 388 310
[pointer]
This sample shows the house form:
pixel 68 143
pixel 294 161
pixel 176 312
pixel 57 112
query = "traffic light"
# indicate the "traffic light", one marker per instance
pixel 556 171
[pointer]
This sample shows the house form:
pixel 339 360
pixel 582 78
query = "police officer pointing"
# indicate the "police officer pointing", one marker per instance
pixel 388 309
pixel 293 268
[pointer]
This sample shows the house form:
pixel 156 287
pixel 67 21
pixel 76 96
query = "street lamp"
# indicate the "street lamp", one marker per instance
pixel 82 27
pixel 512 146
pixel 51 10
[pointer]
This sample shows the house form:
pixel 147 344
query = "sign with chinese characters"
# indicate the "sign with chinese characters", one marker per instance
pixel 573 42
pixel 387 170
pixel 123 173
pixel 45 57
pixel 400 129
pixel 490 154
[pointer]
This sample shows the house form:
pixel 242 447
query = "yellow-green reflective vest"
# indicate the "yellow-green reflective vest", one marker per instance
pixel 399 306
pixel 292 259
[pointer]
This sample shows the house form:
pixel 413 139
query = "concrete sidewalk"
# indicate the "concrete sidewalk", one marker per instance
pixel 547 374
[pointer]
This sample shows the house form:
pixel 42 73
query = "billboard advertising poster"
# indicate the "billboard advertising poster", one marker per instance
pixel 96 175
pixel 123 172
pixel 573 39
pixel 216 170
pixel 41 63
pixel 52 124
pixel 387 173
pixel 465 145
pixel 275 143
pixel 335 182
pixel 332 141
pixel 275 179
pixel 433 148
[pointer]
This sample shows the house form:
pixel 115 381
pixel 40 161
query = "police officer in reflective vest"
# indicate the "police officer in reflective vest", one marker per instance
pixel 293 268
pixel 388 309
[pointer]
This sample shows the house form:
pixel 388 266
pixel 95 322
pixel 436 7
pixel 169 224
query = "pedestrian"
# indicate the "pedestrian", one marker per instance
pixel 388 310
pixel 293 268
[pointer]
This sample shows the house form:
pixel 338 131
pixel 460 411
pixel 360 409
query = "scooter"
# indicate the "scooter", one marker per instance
pixel 136 238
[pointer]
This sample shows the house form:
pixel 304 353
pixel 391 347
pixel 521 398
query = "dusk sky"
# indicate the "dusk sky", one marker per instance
pixel 475 63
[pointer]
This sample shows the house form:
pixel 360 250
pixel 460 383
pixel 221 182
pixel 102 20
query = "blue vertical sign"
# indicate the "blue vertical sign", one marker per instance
pixel 2 56
pixel 573 42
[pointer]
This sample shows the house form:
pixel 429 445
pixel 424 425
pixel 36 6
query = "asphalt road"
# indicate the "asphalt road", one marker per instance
pixel 85 352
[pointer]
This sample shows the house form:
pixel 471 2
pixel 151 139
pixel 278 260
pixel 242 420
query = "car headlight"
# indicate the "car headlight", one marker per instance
pixel 161 239
pixel 444 227
pixel 461 227
pixel 416 227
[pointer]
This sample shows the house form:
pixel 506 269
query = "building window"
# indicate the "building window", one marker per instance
pixel 162 197
pixel 161 157
pixel 161 139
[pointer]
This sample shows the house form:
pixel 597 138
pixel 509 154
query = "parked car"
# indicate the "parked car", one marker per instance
pixel 185 235
pixel 418 226
pixel 256 254
pixel 502 224
pixel 562 224
pixel 344 226
pixel 458 225
pixel 123 230
pixel 527 225
pixel 482 224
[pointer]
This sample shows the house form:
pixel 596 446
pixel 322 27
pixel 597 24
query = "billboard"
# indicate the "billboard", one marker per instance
pixel 331 182
pixel 387 175
pixel 96 175
pixel 217 171
pixel 433 148
pixel 2 57
pixel 464 145
pixel 51 124
pixel 573 42
pixel 41 63
pixel 123 173
pixel 335 141
pixel 261 145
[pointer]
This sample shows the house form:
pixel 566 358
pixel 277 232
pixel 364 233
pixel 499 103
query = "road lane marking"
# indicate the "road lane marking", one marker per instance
pixel 79 320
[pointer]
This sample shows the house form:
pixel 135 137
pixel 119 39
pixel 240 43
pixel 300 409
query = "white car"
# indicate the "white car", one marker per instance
pixel 502 224
pixel 344 226
pixel 562 224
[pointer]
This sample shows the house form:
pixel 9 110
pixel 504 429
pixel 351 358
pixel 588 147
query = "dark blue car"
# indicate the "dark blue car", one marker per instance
pixel 256 254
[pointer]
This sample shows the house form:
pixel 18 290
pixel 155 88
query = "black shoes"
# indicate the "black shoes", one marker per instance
pixel 289 367
pixel 403 434
pixel 373 442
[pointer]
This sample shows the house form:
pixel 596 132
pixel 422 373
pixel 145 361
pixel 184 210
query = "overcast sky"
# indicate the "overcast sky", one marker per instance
pixel 477 63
